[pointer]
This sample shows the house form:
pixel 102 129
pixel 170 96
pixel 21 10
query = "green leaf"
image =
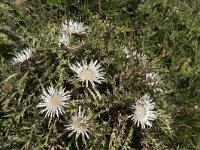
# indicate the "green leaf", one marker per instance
pixel 3 37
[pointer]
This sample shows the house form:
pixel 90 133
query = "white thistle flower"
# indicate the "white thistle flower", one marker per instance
pixel 54 101
pixel 71 27
pixel 153 79
pixel 22 56
pixel 143 112
pixel 88 73
pixel 79 125
pixel 63 39
pixel 68 28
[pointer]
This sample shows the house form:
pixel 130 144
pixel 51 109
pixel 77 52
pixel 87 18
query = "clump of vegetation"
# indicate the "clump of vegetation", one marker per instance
pixel 99 74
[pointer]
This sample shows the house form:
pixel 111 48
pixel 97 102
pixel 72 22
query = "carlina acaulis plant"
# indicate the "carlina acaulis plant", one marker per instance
pixel 99 75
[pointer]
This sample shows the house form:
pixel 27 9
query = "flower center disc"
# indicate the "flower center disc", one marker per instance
pixel 79 124
pixel 140 112
pixel 87 74
pixel 54 102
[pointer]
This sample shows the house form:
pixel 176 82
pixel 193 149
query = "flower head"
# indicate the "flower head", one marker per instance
pixel 69 28
pixel 22 56
pixel 54 101
pixel 92 72
pixel 72 27
pixel 79 125
pixel 63 39
pixel 143 111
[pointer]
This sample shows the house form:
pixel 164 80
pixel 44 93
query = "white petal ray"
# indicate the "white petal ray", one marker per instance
pixel 22 56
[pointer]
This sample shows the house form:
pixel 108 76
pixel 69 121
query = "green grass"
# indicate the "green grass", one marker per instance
pixel 166 32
